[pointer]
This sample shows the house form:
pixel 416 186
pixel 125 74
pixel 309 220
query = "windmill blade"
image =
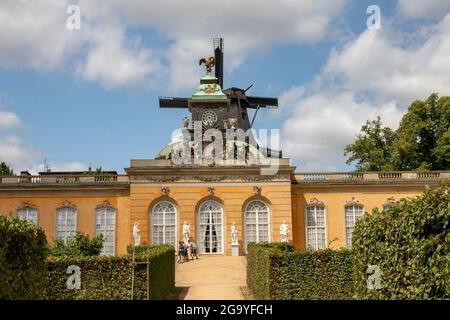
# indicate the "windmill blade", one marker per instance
pixel 173 102
pixel 262 102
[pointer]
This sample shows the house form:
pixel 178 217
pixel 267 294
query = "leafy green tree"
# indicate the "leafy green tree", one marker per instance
pixel 78 246
pixel 421 136
pixel 5 170
pixel 372 149
pixel 422 141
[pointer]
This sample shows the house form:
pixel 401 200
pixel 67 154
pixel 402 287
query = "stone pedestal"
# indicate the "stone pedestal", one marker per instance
pixel 235 249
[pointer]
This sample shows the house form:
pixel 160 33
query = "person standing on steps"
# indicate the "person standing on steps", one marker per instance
pixel 193 248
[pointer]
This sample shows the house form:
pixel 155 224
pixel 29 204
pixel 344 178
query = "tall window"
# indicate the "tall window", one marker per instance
pixel 256 222
pixel 210 227
pixel 164 223
pixel 105 224
pixel 28 214
pixel 352 213
pixel 66 223
pixel 315 227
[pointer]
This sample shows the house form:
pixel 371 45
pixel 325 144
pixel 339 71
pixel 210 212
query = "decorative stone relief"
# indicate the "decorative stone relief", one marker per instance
pixel 257 190
pixel 104 204
pixel 211 191
pixel 67 204
pixel 165 191
pixel 315 202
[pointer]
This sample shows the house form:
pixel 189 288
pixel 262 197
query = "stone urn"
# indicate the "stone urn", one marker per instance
pixel 185 122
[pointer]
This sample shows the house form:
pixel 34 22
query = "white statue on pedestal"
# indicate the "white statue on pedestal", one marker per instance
pixel 186 231
pixel 234 232
pixel 136 234
pixel 284 231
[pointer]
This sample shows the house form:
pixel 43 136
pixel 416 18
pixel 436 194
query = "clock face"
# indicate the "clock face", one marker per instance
pixel 209 118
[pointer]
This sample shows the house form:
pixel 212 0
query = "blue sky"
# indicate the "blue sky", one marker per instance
pixel 90 96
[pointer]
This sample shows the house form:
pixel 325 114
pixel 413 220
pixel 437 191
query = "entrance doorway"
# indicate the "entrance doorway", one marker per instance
pixel 211 227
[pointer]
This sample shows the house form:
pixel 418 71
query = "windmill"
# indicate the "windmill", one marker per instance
pixel 239 101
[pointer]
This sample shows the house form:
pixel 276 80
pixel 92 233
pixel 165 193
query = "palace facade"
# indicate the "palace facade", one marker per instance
pixel 210 194
pixel 320 208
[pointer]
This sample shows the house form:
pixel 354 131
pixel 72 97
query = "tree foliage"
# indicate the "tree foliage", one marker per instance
pixel 5 170
pixel 373 148
pixel 23 253
pixel 410 244
pixel 78 246
pixel 422 141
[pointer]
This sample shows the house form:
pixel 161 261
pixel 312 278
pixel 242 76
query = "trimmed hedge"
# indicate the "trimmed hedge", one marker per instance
pixel 23 253
pixel 278 272
pixel 410 243
pixel 111 277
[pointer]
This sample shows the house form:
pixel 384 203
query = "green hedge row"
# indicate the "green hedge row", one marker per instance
pixel 23 253
pixel 410 244
pixel 279 272
pixel 111 277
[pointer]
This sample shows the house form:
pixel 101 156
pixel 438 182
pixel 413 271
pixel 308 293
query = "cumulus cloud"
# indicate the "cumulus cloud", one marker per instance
pixel 370 76
pixel 34 35
pixel 8 121
pixel 375 63
pixel 320 126
pixel 428 9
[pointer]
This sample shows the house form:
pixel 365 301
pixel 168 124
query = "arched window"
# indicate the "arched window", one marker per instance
pixel 316 227
pixel 256 222
pixel 352 213
pixel 66 223
pixel 29 214
pixel 164 221
pixel 211 227
pixel 105 224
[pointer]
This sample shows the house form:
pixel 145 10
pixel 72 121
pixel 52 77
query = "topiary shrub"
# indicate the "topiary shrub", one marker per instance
pixel 110 278
pixel 276 271
pixel 23 253
pixel 410 244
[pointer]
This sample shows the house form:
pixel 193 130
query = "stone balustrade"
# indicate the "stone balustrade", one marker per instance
pixel 64 179
pixel 371 176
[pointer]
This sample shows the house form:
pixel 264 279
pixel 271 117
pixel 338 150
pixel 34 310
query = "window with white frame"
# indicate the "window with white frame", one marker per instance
pixel 28 214
pixel 105 224
pixel 210 221
pixel 66 223
pixel 257 222
pixel 164 218
pixel 316 228
pixel 352 213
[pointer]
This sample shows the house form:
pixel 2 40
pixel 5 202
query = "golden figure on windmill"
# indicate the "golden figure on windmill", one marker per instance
pixel 209 63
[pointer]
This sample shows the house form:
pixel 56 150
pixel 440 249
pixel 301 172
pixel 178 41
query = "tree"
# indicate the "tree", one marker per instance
pixel 372 148
pixel 422 141
pixel 5 170
pixel 421 136
pixel 80 245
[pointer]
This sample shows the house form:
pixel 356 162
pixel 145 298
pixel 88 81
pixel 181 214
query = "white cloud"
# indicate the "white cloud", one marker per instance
pixel 58 167
pixel 423 8
pixel 321 125
pixel 370 76
pixel 9 121
pixel 34 35
pixel 375 63
pixel 116 61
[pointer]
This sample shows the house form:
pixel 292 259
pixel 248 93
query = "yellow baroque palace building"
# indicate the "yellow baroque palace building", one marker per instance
pixel 161 195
